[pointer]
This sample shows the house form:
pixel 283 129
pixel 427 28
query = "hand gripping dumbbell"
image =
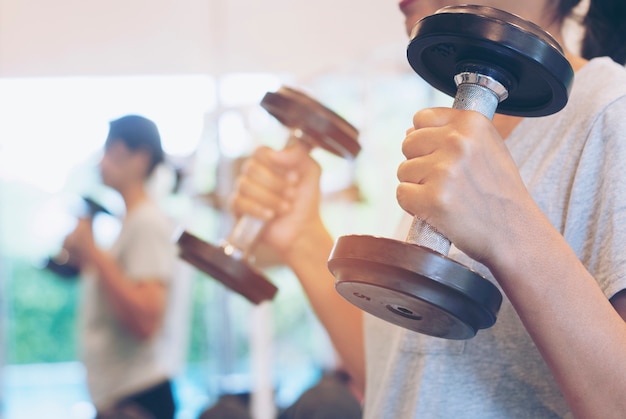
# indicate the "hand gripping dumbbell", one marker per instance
pixel 311 125
pixel 490 61
pixel 62 263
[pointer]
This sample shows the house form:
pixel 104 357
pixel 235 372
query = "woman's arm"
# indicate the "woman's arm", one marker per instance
pixel 460 178
pixel 282 187
pixel 579 333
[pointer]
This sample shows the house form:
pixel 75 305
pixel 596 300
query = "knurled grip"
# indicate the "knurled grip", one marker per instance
pixel 477 93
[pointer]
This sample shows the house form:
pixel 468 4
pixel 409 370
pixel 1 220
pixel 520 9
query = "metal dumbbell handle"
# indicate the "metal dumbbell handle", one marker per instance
pixel 475 92
pixel 244 234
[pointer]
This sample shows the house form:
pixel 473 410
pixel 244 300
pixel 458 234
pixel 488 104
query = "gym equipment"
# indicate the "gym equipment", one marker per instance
pixel 62 264
pixel 311 125
pixel 491 61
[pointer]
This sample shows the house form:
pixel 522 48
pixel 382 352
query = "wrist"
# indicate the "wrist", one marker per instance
pixel 312 245
pixel 529 238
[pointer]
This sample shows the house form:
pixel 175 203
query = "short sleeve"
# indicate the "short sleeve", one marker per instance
pixel 149 253
pixel 600 189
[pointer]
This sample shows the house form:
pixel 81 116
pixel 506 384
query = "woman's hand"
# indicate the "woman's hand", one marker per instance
pixel 282 188
pixel 460 178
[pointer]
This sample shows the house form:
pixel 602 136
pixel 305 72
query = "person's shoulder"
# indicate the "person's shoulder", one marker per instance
pixel 150 214
pixel 599 89
pixel 601 81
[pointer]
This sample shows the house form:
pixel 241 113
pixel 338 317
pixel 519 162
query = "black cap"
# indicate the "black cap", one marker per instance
pixel 137 133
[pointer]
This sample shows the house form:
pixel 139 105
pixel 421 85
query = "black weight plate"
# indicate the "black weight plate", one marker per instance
pixel 94 207
pixel 413 287
pixel 538 75
pixel 328 130
pixel 406 310
pixel 64 270
pixel 233 273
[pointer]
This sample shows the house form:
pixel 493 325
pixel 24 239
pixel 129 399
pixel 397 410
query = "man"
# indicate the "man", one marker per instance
pixel 132 307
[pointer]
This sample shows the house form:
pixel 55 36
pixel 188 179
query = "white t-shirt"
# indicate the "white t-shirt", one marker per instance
pixel 117 362
pixel 573 165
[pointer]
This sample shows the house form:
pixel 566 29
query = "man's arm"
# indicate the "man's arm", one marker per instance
pixel 138 303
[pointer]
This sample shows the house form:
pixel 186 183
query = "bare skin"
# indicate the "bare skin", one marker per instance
pixel 460 177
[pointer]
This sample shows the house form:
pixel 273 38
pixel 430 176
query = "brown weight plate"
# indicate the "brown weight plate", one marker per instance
pixel 413 287
pixel 233 273
pixel 296 110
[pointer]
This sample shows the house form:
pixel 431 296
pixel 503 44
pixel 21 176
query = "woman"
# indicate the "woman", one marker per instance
pixel 536 205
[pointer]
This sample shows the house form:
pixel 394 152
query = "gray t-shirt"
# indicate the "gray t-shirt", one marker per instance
pixel 118 363
pixel 573 164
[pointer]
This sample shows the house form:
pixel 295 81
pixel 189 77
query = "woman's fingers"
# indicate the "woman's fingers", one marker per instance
pixel 265 185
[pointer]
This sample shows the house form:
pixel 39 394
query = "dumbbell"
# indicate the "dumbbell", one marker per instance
pixel 311 124
pixel 62 264
pixel 490 61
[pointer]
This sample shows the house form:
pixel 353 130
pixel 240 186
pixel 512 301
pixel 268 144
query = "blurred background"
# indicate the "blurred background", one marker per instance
pixel 199 69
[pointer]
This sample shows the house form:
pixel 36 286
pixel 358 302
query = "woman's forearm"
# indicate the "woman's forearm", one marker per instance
pixel 344 322
pixel 578 332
